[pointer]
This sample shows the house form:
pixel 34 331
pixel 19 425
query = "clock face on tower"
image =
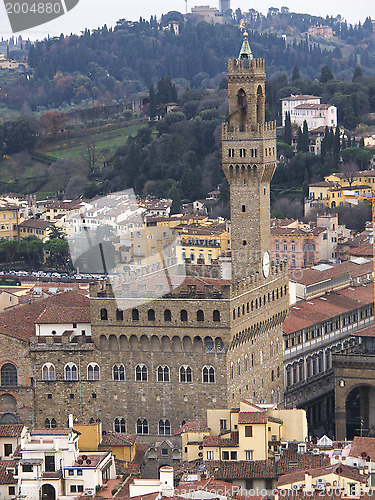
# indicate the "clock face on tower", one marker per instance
pixel 266 264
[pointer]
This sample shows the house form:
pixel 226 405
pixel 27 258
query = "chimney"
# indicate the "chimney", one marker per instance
pixel 70 420
pixel 308 481
pixel 166 479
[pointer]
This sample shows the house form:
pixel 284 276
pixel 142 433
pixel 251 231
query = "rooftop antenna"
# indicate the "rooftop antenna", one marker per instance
pixel 186 6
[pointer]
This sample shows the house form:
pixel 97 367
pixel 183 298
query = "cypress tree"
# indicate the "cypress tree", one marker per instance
pixel 152 98
pixel 305 137
pixel 288 129
pixel 296 75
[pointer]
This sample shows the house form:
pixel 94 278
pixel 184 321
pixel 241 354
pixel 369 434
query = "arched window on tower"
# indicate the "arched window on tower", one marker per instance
pixel 260 105
pixel 242 107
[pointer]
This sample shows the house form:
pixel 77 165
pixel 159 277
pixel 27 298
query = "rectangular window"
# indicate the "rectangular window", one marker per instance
pixel 71 472
pixel 79 472
pixel 73 488
pixel 50 463
pixel 27 468
pixel 248 431
pixel 231 153
pixel 210 455
pixel 233 455
pixel 223 425
pixel 242 153
pixel 80 488
pixel 225 455
pixel 164 452
pixel 12 490
pixel 249 454
pixel 7 449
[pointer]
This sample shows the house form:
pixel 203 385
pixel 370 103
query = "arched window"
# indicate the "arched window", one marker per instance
pixel 216 315
pixel 200 315
pixel 93 371
pixel 135 315
pixel 164 428
pixel 151 315
pixel 167 315
pixel 209 344
pixel 186 374
pixel 141 374
pixel 50 423
pixel 70 372
pixel 277 346
pixel 208 374
pixel 118 372
pixel 231 371
pixel 271 349
pixel 119 425
pixel 184 315
pixel 163 374
pixel 103 314
pixel 119 315
pixel 142 426
pixel 239 367
pixel 8 375
pixel 48 372
pixel 246 363
pixel 272 375
pixel 261 356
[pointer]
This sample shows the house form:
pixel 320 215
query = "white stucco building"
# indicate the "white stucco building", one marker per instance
pixel 309 108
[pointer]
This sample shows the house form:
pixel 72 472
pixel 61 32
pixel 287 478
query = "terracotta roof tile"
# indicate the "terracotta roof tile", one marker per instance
pixel 36 224
pixel 252 417
pixel 342 470
pixel 18 322
pixel 11 430
pixel 6 477
pixel 198 425
pixel 363 445
pixel 59 315
pixel 115 439
pixel 223 442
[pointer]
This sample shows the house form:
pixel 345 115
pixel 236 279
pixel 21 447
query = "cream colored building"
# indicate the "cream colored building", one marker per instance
pixel 350 481
pixel 250 432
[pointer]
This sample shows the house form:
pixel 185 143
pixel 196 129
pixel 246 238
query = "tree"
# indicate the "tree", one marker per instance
pixel 55 232
pixel 52 121
pixel 357 74
pixel 326 74
pixel 296 74
pixel 303 139
pixel 288 129
pixel 349 171
pixel 152 100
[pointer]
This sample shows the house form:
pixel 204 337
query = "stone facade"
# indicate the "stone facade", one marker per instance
pixel 153 364
pixel 16 396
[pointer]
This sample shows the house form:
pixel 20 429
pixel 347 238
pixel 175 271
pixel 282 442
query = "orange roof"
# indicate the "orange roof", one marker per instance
pixel 19 321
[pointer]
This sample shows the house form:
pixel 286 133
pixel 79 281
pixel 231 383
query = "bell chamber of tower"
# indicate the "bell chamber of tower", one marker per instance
pixel 249 162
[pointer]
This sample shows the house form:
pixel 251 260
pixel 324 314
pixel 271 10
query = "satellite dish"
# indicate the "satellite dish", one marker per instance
pixel 88 461
pixel 84 457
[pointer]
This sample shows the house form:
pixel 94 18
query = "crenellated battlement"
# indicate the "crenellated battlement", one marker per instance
pixel 257 279
pixel 245 66
pixel 233 132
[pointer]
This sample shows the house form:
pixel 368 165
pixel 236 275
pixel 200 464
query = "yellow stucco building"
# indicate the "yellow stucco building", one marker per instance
pixel 250 432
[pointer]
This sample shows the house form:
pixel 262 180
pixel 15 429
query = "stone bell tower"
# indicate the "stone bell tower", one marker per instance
pixel 249 162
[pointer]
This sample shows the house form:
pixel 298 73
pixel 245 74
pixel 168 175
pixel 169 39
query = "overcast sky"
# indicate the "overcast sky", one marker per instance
pixel 95 13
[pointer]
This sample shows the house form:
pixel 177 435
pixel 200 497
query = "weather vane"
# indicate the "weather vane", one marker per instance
pixel 242 27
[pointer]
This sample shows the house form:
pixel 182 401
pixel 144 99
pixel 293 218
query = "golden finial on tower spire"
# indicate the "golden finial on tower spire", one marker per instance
pixel 245 52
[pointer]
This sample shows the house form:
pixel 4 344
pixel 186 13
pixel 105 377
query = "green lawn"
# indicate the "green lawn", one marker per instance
pixel 105 141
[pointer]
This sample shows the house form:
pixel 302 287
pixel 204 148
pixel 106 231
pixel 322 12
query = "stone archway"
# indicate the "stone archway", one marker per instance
pixel 355 410
pixel 48 492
